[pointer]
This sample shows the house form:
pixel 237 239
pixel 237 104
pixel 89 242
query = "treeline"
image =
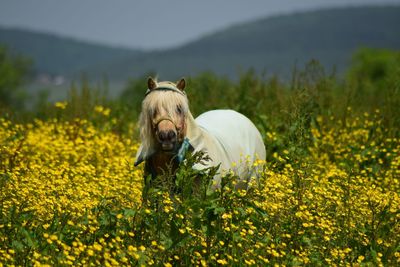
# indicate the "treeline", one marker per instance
pixel 371 83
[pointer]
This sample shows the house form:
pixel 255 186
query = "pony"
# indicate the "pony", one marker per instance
pixel 168 129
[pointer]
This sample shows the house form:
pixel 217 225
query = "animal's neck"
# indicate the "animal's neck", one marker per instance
pixel 161 162
pixel 193 131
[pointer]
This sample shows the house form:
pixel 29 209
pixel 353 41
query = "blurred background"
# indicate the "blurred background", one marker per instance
pixel 101 51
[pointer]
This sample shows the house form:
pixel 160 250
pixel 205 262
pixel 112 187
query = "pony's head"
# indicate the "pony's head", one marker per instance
pixel 162 120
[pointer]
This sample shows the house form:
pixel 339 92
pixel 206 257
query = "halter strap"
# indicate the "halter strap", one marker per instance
pixel 165 88
pixel 178 130
pixel 185 147
pixel 164 119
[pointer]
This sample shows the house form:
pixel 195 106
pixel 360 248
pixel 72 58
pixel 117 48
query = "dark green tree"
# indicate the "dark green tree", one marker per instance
pixel 374 77
pixel 14 70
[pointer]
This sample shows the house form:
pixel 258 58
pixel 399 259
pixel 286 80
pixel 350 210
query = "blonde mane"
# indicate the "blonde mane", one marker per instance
pixel 157 101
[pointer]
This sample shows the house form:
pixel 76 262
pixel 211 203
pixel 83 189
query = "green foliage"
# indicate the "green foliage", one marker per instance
pixel 81 101
pixel 13 72
pixel 132 96
pixel 374 68
pixel 374 77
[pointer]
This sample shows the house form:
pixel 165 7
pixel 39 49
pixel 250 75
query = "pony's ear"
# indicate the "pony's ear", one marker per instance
pixel 181 84
pixel 151 83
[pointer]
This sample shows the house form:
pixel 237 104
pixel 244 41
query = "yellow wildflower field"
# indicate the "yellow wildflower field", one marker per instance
pixel 56 167
pixel 71 196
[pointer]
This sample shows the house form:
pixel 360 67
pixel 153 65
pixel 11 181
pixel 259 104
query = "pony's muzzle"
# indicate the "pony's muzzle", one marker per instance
pixel 167 136
pixel 167 139
pixel 166 133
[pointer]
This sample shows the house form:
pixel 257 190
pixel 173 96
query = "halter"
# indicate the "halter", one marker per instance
pixel 164 119
pixel 178 130
pixel 165 88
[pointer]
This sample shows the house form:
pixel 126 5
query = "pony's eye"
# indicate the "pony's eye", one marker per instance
pixel 179 109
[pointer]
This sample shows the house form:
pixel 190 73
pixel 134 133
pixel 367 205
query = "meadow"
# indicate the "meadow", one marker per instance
pixel 329 194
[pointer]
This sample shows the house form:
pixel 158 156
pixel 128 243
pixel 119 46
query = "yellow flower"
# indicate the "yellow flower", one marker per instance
pixel 102 110
pixel 90 252
pixel 360 259
pixel 99 109
pixel 222 262
pixel 61 105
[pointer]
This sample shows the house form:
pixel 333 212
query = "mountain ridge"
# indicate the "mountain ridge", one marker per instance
pixel 272 44
pixel 328 35
pixel 74 54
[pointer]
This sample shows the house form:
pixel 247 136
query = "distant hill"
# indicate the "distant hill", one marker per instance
pixel 272 44
pixel 275 44
pixel 56 55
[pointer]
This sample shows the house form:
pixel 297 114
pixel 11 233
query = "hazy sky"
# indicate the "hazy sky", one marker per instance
pixel 148 24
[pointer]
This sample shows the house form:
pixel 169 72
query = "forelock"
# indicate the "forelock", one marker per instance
pixel 165 100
